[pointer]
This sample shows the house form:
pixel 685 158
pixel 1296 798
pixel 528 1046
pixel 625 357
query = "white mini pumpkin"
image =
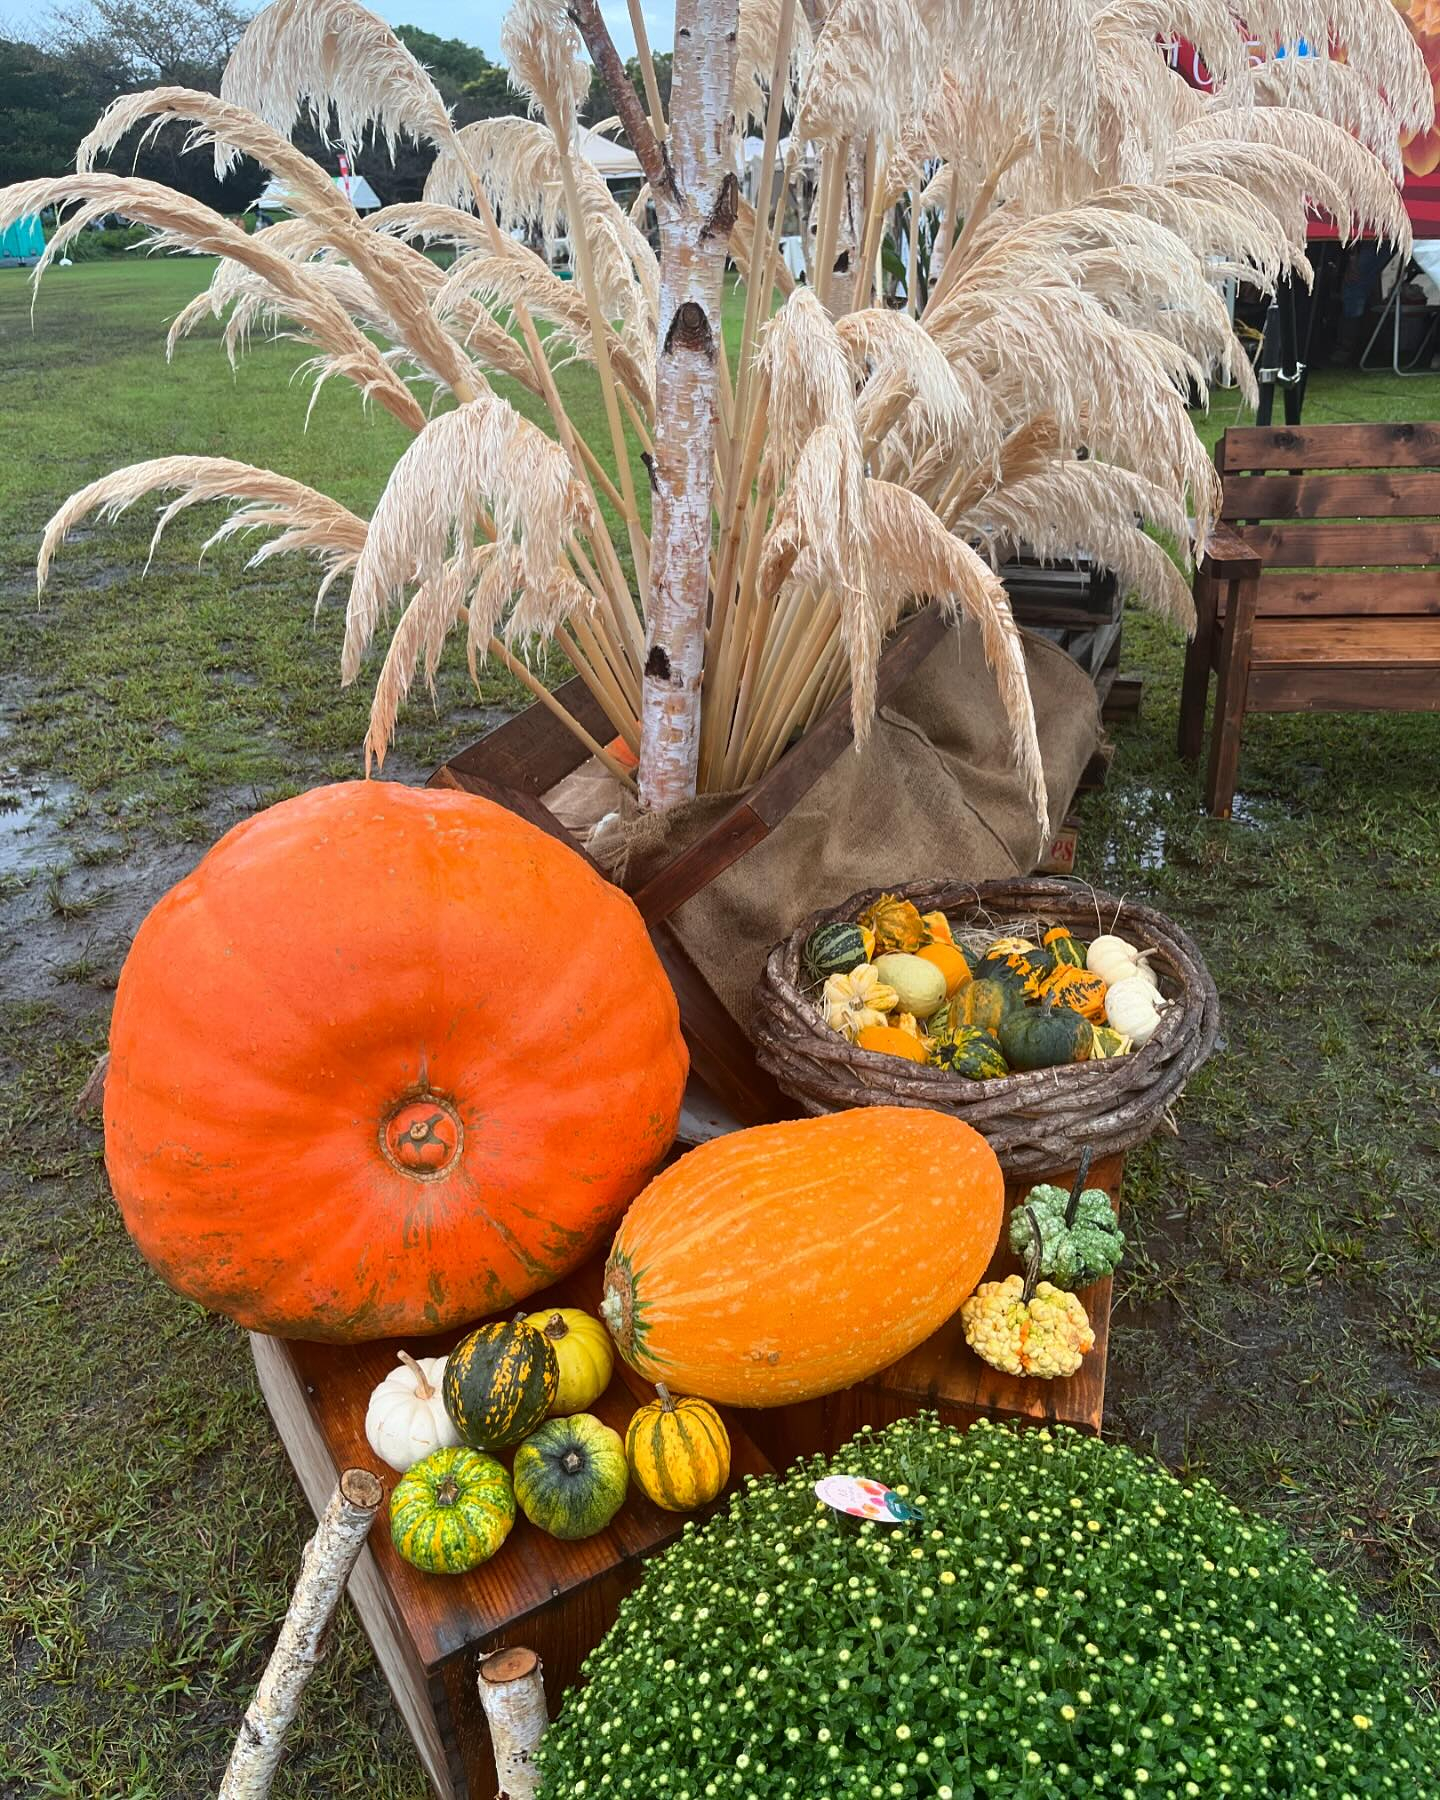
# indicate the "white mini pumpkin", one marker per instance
pixel 1133 1007
pixel 406 1417
pixel 1115 959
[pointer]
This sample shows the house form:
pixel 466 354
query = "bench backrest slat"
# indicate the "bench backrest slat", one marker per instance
pixel 1346 517
pixel 1373 494
pixel 1385 446
pixel 1364 544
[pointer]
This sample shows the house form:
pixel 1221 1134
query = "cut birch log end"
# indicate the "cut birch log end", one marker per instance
pixel 91 1097
pixel 325 1567
pixel 512 1692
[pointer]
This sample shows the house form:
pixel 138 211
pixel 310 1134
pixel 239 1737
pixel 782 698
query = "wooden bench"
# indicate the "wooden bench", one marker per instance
pixel 1320 591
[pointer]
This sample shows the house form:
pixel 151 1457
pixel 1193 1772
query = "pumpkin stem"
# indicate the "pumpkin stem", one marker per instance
pixel 617 1306
pixel 555 1327
pixel 1032 1258
pixel 1080 1174
pixel 572 1462
pixel 423 1389
pixel 448 1492
pixel 667 1404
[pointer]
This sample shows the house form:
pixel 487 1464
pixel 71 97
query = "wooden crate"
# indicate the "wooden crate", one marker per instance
pixel 430 1631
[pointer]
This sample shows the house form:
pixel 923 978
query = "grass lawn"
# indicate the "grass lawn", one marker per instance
pixel 1279 1319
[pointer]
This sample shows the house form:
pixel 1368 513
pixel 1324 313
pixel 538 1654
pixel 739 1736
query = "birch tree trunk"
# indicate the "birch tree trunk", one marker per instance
pixel 512 1693
pixel 695 224
pixel 324 1569
pixel 696 196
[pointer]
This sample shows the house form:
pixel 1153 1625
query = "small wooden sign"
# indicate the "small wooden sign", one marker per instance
pixel 1060 857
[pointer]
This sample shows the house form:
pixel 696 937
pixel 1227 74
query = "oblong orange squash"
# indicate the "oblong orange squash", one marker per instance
pixel 791 1260
pixel 389 1059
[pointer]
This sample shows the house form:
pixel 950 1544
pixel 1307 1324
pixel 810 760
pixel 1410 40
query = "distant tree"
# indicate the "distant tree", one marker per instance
pixel 93 50
pixel 124 44
pixel 453 65
pixel 598 104
pixel 47 110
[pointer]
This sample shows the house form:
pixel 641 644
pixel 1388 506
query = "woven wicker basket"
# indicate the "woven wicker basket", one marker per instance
pixel 1036 1123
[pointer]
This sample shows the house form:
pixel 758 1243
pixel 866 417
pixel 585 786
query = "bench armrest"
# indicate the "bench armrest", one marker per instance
pixel 1227 554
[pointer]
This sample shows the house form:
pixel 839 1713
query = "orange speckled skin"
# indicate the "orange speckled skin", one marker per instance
pixel 389 1059
pixel 793 1260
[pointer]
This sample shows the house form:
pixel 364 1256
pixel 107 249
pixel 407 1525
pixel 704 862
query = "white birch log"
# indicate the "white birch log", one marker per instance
pixel 325 1567
pixel 694 235
pixel 512 1692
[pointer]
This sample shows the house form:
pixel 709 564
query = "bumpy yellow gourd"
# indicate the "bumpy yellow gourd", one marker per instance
pixel 1025 1326
pixel 1046 1335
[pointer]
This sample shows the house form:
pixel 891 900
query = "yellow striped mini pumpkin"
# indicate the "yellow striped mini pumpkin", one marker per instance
pixel 678 1451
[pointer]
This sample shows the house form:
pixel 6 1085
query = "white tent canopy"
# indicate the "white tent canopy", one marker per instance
pixel 614 161
pixel 275 196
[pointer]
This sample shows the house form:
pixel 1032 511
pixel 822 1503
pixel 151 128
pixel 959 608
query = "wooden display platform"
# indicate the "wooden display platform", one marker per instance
pixel 429 1631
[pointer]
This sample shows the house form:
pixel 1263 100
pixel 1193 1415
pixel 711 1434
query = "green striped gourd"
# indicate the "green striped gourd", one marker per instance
pixel 974 1052
pixel 452 1511
pixel 499 1384
pixel 836 949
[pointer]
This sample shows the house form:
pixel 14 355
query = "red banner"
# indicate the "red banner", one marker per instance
pixel 1421 153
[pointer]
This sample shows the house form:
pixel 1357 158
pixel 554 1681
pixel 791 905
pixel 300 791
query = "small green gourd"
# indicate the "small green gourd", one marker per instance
pixel 1080 1237
pixel 1044 1037
pixel 836 949
pixel 974 1052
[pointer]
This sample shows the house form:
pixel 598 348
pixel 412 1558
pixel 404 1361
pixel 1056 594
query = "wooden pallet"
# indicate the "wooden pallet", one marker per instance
pixel 1080 609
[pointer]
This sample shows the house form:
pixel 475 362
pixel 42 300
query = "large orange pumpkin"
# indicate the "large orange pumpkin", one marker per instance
pixel 789 1261
pixel 390 1058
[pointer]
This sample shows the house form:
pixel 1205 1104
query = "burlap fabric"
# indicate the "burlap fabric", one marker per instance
pixel 933 794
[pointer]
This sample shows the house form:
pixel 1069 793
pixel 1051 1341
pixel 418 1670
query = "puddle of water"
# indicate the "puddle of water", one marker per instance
pixel 1150 840
pixel 1257 813
pixel 30 820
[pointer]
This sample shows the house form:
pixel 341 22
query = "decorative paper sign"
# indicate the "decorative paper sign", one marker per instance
pixel 864 1499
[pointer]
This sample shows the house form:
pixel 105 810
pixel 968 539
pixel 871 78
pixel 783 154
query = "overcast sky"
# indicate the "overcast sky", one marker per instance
pixel 473 21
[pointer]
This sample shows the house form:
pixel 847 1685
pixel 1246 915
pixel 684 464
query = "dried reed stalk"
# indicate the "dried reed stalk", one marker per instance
pixel 852 459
